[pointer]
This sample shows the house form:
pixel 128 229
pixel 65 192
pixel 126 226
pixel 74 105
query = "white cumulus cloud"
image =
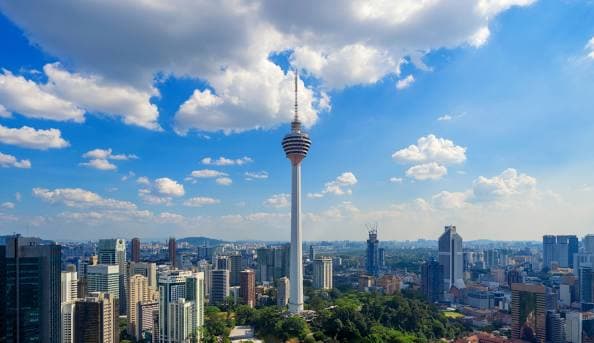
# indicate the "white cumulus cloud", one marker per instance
pixel 201 201
pixel 224 181
pixel 28 137
pixel 207 173
pixel 99 159
pixel 427 171
pixel 167 186
pixel 224 161
pixel 259 175
pixel 29 99
pixel 278 200
pixel 7 161
pixel 430 156
pixel 405 83
pixel 342 185
pixel 78 197
pixel 431 149
pixel 228 45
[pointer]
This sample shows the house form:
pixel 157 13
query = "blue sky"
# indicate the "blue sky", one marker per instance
pixel 473 113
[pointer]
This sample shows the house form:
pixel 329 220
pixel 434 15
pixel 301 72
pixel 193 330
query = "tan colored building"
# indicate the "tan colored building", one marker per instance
pixel 322 273
pixel 282 296
pixel 390 284
pixel 139 292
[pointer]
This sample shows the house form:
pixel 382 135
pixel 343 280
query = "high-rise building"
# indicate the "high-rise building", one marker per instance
pixel 588 243
pixel 555 328
pixel 113 251
pixel 206 268
pixel 560 249
pixel 30 291
pixel 312 252
pixel 247 287
pixel 219 286
pixel 138 292
pixel 67 321
pixel 567 246
pixel 147 311
pixel 145 269
pixel 135 247
pixel 235 269
pixel 549 243
pixel 296 145
pixel 381 258
pixel 222 262
pixel 322 273
pixel 283 291
pixel 528 310
pixel 69 286
pixel 451 258
pixel 432 280
pixel 172 245
pixel 586 285
pixel 281 261
pixel 183 289
pixel 96 319
pixel 104 278
pixel 179 321
pixel 272 263
pixel 372 254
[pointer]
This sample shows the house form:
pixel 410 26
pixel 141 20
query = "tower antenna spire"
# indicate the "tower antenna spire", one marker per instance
pixel 296 101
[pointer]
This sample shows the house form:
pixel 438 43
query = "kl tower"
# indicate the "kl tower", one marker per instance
pixel 296 145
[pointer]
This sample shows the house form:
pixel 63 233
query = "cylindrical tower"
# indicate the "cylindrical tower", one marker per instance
pixel 296 145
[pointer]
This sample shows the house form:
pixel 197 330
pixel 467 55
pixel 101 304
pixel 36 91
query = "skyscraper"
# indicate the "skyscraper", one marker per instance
pixel 282 296
pixel 372 255
pixel 30 291
pixel 145 269
pixel 180 291
pixel 548 250
pixel 113 251
pixel 296 145
pixel 219 286
pixel 135 246
pixel 560 249
pixel 104 278
pixel 138 292
pixel 172 245
pixel 322 273
pixel 586 285
pixel 67 321
pixel 528 310
pixel 69 286
pixel 247 287
pixel 235 269
pixel 588 242
pixel 96 319
pixel 451 257
pixel 432 280
pixel 147 311
pixel 567 246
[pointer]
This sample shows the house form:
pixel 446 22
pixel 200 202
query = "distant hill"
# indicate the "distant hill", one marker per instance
pixel 200 241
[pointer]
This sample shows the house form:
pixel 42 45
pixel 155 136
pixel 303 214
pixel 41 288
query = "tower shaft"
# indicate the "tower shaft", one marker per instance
pixel 296 272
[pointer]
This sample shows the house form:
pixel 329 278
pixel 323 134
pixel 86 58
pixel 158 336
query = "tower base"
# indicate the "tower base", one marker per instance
pixel 295 308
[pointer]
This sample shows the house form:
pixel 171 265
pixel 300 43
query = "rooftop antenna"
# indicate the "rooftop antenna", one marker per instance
pixel 296 109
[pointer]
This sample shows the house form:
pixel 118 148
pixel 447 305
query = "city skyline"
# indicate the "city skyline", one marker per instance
pixel 485 125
